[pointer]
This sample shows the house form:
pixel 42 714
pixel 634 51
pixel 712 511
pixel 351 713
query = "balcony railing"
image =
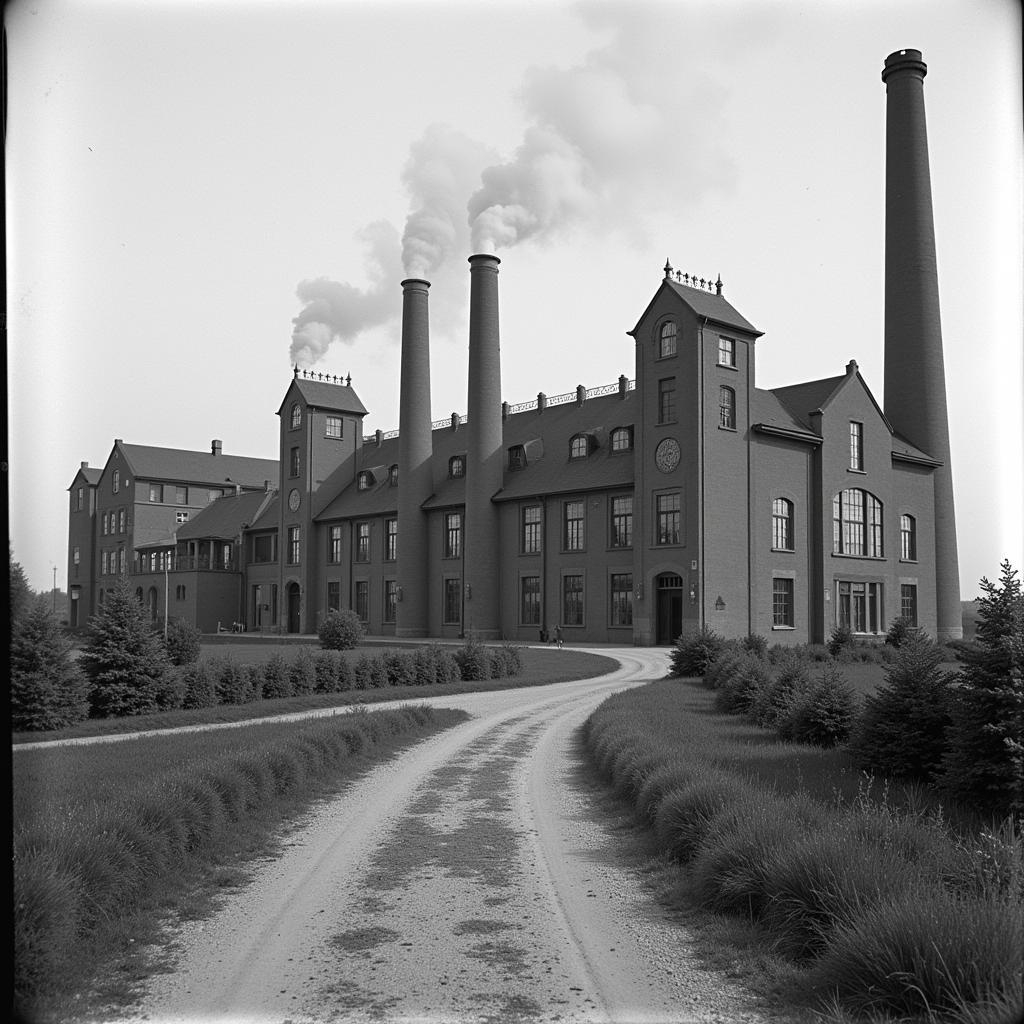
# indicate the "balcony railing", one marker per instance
pixel 189 563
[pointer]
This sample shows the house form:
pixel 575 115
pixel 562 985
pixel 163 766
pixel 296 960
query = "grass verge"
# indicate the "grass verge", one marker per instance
pixel 876 904
pixel 540 667
pixel 109 841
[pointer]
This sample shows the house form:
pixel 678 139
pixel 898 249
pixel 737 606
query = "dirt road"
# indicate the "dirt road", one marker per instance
pixel 469 880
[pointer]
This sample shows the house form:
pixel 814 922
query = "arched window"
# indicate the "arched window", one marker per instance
pixel 296 415
pixel 908 538
pixel 667 340
pixel 579 447
pixel 393 476
pixel 857 523
pixel 456 467
pixel 782 524
pixel 727 407
pixel 517 457
pixel 365 480
pixel 622 439
pixel 117 480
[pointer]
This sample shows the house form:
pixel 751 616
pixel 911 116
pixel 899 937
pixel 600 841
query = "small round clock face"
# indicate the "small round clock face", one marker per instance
pixel 294 500
pixel 666 455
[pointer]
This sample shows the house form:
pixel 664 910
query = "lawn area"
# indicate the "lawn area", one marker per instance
pixel 541 666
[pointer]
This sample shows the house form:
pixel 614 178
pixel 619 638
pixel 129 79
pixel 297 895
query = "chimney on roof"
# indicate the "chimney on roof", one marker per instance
pixel 85 465
pixel 215 447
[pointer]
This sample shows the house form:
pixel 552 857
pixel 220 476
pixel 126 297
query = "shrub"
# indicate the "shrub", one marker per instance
pixel 425 664
pixel 901 730
pixel 303 673
pixel 200 691
pixel 378 673
pixel 446 668
pixel 748 677
pixel 723 667
pixel 685 815
pixel 899 630
pixel 122 657
pixel 513 659
pixel 170 690
pixel 277 679
pixel 340 630
pixel 473 659
pixel 754 643
pixel 821 715
pixel 326 666
pixel 692 654
pixel 231 681
pixel 182 642
pixel 984 761
pixel 47 689
pixel 362 673
pixel 400 667
pixel 345 677
pixel 790 679
pixel 840 640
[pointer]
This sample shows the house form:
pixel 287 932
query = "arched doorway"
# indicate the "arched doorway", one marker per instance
pixel 669 590
pixel 294 606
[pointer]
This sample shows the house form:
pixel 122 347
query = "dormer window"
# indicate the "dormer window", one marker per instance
pixel 296 415
pixel 579 447
pixel 393 476
pixel 456 467
pixel 667 340
pixel 365 480
pixel 517 457
pixel 622 439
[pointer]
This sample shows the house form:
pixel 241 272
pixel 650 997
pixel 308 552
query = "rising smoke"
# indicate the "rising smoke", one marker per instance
pixel 608 144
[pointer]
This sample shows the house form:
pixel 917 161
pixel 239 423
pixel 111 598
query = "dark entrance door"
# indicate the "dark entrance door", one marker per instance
pixel 293 607
pixel 670 607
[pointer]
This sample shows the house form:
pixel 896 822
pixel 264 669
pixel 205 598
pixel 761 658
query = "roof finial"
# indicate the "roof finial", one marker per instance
pixel 296 371
pixel 718 285
pixel 348 381
pixel 668 270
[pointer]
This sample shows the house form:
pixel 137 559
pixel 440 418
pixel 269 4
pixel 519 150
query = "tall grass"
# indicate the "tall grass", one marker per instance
pixel 882 906
pixel 104 834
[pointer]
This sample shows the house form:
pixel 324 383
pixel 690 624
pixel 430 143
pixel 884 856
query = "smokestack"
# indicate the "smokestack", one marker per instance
pixel 415 450
pixel 915 380
pixel 484 452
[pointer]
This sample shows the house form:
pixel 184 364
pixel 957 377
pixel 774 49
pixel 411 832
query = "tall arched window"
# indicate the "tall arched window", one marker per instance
pixel 782 524
pixel 296 415
pixel 667 339
pixel 727 407
pixel 857 523
pixel 908 538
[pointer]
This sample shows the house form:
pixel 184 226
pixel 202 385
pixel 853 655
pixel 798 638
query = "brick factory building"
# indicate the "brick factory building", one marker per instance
pixel 627 514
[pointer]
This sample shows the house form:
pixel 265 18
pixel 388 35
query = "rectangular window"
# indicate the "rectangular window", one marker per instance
pixel 76 556
pixel 362 608
pixel 668 518
pixel 120 560
pixel 574 538
pixel 180 495
pixel 121 520
pixel 333 427
pixel 117 480
pixel 782 524
pixel 908 603
pixel 80 499
pixel 622 522
pixel 334 596
pixel 531 530
pixel 294 545
pixel 293 462
pixel 782 602
pixel 860 606
pixel 390 540
pixel 104 563
pixel 264 548
pixel 529 600
pixel 727 408
pixel 156 492
pixel 667 400
pixel 856 445
pixel 362 542
pixel 572 600
pixel 334 545
pixel 452 601
pixel 908 538
pixel 453 535
pixel 622 599
pixel 181 516
pixel 390 600
pixel 726 352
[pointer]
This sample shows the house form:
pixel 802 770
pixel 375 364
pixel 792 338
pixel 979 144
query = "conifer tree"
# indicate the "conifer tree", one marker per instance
pixel 984 762
pixel 123 658
pixel 48 691
pixel 21 593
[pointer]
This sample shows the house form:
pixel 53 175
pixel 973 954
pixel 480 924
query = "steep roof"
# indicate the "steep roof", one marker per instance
pixel 801 400
pixel 90 474
pixel 226 517
pixel 712 305
pixel 151 463
pixel 325 395
pixel 768 411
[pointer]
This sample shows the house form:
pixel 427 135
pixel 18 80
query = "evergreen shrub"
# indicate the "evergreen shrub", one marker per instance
pixel 182 642
pixel 200 691
pixel 340 630
pixel 822 714
pixel 277 679
pixel 474 660
pixel 303 673
pixel 692 654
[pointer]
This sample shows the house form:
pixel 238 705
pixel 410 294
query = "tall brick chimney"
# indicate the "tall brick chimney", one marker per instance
pixel 415 447
pixel 915 379
pixel 484 468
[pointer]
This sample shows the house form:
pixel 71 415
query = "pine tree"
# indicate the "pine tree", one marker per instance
pixel 21 593
pixel 48 691
pixel 984 763
pixel 123 658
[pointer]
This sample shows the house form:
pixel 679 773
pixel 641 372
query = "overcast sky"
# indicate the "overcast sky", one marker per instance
pixel 200 194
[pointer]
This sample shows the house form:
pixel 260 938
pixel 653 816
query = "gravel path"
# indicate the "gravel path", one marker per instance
pixel 470 880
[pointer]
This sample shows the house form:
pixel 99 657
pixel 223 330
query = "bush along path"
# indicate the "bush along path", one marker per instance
pixel 879 911
pixel 99 858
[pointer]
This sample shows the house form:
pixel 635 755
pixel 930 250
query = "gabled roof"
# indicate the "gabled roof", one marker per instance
pixel 269 516
pixel 325 395
pixel 704 304
pixel 801 400
pixel 376 500
pixel 226 517
pixel 769 416
pixel 89 474
pixel 150 463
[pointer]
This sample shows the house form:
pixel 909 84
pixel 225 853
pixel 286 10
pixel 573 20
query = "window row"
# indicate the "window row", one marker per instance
pixel 451 600
pixel 117 521
pixel 112 563
pixel 573 525
pixel 180 494
pixel 856 526
pixel 667 404
pixel 581 446
pixel 859 605
pixel 333 425
pixel 668 345
pixel 571 610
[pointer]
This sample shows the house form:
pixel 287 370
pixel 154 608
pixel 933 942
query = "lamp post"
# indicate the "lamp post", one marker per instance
pixel 55 590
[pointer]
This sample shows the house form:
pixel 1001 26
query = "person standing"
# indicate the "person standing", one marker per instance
pixel 558 637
